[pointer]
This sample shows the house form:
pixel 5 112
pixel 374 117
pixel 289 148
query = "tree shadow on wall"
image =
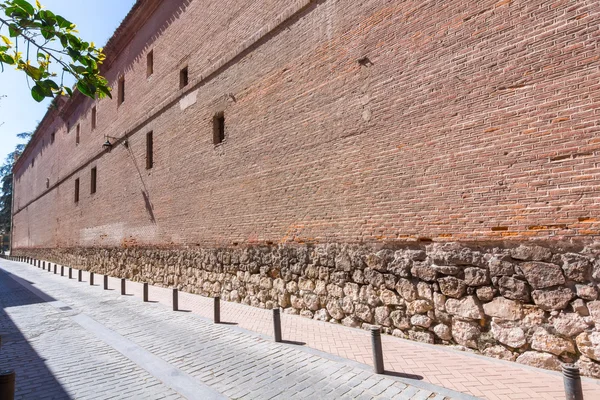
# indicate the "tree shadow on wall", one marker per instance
pixel 32 374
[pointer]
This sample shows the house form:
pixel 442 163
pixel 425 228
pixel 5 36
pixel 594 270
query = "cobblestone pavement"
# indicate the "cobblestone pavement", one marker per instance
pixel 456 370
pixel 67 339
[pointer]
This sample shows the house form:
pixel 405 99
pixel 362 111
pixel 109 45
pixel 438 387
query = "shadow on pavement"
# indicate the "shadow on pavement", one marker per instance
pixel 33 377
pixel 401 375
pixel 293 342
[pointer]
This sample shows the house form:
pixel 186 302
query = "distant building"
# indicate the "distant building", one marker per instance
pixel 356 161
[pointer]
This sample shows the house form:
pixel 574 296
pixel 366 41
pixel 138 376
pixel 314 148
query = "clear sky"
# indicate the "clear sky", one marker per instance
pixel 96 21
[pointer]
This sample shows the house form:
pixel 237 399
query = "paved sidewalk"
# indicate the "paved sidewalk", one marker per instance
pixel 468 373
pixel 66 339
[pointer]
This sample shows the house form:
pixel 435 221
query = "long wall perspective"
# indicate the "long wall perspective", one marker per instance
pixel 431 167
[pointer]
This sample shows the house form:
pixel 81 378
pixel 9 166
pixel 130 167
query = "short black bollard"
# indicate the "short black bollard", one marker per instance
pixel 55 266
pixel 91 279
pixel 145 292
pixel 175 300
pixel 217 310
pixel 105 282
pixel 7 384
pixel 277 323
pixel 43 265
pixel 79 275
pixel 377 349
pixel 62 270
pixel 572 381
pixel 123 292
pixel 70 273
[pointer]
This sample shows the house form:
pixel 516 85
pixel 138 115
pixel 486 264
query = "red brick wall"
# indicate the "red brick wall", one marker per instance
pixel 465 121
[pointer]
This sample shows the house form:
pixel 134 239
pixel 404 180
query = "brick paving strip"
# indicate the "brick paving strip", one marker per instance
pixel 68 340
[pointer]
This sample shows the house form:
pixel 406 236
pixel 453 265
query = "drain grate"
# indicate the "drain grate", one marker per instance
pixel 65 308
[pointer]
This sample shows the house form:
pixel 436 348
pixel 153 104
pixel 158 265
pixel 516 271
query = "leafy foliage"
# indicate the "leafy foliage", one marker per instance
pixel 37 32
pixel 6 183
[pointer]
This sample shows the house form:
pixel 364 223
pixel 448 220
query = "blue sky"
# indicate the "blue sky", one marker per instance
pixel 96 21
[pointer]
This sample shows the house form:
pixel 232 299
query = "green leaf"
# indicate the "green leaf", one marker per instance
pixel 84 89
pixel 38 93
pixel 14 30
pixel 25 5
pixel 105 90
pixel 51 84
pixel 5 58
pixel 62 23
pixel 33 72
pixel 47 33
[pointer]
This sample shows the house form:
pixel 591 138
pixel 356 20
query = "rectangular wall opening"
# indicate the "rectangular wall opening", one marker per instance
pixel 77 190
pixel 219 128
pixel 94 116
pixel 183 78
pixel 78 134
pixel 149 150
pixel 150 64
pixel 121 98
pixel 93 180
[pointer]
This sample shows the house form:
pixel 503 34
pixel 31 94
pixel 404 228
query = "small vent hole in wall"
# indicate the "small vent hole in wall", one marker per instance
pixel 150 64
pixel 183 78
pixel 219 128
pixel 93 180
pixel 149 150
pixel 121 98
pixel 77 190
pixel 94 116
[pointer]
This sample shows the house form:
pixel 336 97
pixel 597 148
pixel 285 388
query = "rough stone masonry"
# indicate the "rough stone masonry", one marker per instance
pixel 527 303
pixel 429 166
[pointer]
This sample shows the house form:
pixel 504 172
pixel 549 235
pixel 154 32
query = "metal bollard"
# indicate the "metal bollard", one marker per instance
pixel 91 279
pixel 7 384
pixel 70 273
pixel 55 266
pixel 62 270
pixel 572 381
pixel 217 310
pixel 105 282
pixel 277 323
pixel 123 292
pixel 145 292
pixel 43 265
pixel 377 349
pixel 175 300
pixel 79 275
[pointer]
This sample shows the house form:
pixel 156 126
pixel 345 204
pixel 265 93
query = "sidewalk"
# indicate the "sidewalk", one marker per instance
pixel 464 372
pixel 69 340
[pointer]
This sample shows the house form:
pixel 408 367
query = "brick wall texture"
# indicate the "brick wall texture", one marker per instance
pixel 345 122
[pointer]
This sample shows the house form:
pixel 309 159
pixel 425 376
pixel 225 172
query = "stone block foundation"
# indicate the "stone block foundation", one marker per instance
pixel 536 304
